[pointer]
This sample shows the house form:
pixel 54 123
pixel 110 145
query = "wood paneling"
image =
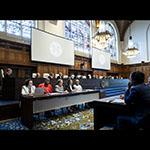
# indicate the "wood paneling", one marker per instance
pixel 18 57
pixel 145 68
pixel 48 68
pixel 15 57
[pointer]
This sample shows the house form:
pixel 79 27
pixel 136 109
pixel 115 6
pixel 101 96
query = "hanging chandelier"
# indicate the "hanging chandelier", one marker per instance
pixel 132 48
pixel 102 35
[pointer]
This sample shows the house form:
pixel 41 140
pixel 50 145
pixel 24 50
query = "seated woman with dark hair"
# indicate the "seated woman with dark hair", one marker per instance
pixel 28 88
pixel 60 89
pixel 69 87
pixel 59 86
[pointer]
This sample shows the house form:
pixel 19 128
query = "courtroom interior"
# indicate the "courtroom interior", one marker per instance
pixel 74 74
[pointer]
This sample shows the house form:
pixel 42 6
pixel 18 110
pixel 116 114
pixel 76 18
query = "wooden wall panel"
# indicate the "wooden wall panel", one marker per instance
pixel 15 57
pixel 2 55
pixel 144 68
pixel 21 57
pixel 48 68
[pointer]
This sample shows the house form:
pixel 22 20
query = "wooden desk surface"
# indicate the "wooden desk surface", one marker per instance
pixel 107 109
pixel 113 99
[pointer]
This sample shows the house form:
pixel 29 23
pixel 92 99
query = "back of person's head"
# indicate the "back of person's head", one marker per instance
pixel 137 77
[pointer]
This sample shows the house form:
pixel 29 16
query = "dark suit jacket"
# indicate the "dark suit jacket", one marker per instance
pixel 139 97
pixel 67 87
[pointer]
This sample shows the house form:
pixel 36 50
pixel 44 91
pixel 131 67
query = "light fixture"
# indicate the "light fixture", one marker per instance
pixel 132 48
pixel 102 35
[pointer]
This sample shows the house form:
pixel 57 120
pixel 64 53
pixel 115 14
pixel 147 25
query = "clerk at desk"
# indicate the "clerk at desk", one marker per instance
pixel 138 97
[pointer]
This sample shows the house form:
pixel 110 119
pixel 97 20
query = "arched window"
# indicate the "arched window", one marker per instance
pixel 79 32
pixel 21 28
pixel 112 44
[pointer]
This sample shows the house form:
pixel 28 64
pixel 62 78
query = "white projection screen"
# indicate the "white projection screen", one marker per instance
pixel 49 48
pixel 100 59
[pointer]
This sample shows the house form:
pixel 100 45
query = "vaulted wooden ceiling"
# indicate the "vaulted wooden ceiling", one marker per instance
pixel 122 27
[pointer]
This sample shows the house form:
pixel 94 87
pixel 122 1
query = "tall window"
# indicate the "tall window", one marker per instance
pixel 79 32
pixel 20 28
pixel 111 43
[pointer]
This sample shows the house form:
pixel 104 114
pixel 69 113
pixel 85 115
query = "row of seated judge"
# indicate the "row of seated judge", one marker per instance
pixel 29 88
pixel 11 87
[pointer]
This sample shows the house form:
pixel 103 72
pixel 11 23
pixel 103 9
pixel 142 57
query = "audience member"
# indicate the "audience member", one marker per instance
pixel 72 76
pixel 1 73
pixel 89 76
pixel 38 75
pixel 51 76
pixel 46 86
pixel 60 76
pixel 8 73
pixel 28 88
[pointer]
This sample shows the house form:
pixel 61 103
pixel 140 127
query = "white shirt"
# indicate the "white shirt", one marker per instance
pixel 25 90
pixel 77 88
pixel 59 89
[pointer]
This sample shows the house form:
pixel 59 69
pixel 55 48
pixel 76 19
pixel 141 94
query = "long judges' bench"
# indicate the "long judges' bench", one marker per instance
pixel 32 104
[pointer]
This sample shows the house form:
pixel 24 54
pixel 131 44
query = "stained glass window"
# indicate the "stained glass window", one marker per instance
pixel 2 25
pixel 79 32
pixel 112 43
pixel 26 27
pixel 20 28
pixel 13 27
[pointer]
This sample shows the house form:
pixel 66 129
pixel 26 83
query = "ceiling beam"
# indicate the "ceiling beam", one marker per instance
pixel 122 27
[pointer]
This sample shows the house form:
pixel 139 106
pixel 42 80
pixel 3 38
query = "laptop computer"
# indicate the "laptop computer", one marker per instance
pixel 39 91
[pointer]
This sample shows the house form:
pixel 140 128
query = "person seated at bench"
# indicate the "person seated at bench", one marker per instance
pixel 46 86
pixel 60 89
pixel 77 87
pixel 47 90
pixel 69 86
pixel 137 97
pixel 59 86
pixel 28 88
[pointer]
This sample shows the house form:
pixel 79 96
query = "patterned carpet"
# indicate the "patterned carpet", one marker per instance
pixel 82 120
